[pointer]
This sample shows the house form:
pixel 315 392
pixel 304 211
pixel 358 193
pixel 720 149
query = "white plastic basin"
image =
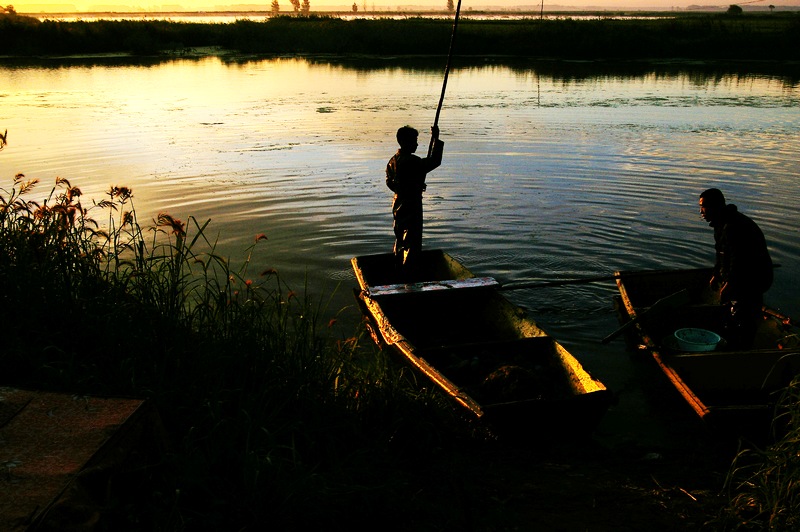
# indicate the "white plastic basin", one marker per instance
pixel 697 339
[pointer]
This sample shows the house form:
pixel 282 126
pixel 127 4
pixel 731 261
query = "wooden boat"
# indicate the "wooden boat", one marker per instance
pixel 462 335
pixel 733 390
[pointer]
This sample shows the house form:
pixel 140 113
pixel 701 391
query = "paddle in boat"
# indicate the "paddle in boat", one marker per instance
pixel 463 336
pixel 674 317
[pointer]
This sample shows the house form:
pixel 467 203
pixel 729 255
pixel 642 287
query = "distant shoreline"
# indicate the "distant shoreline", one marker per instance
pixel 500 13
pixel 665 35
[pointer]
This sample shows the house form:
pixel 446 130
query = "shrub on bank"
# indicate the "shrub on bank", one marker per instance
pixel 763 486
pixel 270 418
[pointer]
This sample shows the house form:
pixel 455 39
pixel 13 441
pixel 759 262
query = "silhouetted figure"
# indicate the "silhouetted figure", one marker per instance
pixel 743 268
pixel 405 176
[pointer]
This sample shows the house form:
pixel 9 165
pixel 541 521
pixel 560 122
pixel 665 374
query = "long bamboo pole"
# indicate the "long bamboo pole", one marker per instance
pixel 446 74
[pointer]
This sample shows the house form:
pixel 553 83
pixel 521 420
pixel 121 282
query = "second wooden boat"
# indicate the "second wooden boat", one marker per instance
pixel 733 390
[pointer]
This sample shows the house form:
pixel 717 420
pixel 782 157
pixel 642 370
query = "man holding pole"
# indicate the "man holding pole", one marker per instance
pixel 405 176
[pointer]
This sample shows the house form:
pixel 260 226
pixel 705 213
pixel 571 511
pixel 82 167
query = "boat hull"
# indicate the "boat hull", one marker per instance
pixel 732 390
pixel 484 352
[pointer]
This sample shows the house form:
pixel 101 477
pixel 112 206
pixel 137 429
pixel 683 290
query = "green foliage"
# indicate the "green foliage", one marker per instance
pixel 734 10
pixel 687 36
pixel 29 36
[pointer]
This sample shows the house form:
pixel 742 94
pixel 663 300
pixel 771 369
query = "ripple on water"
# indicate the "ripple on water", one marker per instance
pixel 543 177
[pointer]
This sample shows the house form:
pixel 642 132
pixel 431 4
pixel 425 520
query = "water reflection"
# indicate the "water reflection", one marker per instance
pixel 551 170
pixel 698 73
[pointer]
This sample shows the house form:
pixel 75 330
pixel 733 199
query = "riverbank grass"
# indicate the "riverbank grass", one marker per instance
pixel 763 485
pixel 269 416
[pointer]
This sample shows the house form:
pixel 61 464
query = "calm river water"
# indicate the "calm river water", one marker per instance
pixel 548 173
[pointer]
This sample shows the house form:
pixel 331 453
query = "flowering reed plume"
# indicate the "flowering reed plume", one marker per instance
pixel 166 220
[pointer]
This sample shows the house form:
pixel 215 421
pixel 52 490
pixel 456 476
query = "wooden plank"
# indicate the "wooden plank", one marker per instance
pixel 432 286
pixel 46 441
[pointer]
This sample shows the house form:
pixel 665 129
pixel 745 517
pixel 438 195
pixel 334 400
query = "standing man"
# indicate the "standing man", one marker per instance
pixel 405 176
pixel 743 268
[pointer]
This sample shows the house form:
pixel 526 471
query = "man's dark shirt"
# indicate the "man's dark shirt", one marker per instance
pixel 743 260
pixel 405 172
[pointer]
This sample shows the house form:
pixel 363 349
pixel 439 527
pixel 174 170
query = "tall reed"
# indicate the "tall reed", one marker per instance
pixel 763 485
pixel 270 415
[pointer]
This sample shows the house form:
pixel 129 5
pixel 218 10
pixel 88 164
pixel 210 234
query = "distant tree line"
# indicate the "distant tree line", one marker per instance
pixel 303 8
pixel 721 37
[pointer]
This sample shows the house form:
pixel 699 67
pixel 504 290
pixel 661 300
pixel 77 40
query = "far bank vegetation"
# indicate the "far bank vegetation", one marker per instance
pixel 720 36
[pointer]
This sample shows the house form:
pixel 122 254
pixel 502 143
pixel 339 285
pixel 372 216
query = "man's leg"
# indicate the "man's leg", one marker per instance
pixel 412 241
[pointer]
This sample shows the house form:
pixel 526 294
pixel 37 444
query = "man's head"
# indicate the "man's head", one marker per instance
pixel 712 205
pixel 407 138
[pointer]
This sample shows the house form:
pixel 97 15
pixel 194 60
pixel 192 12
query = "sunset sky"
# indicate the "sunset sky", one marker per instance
pixel 216 5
